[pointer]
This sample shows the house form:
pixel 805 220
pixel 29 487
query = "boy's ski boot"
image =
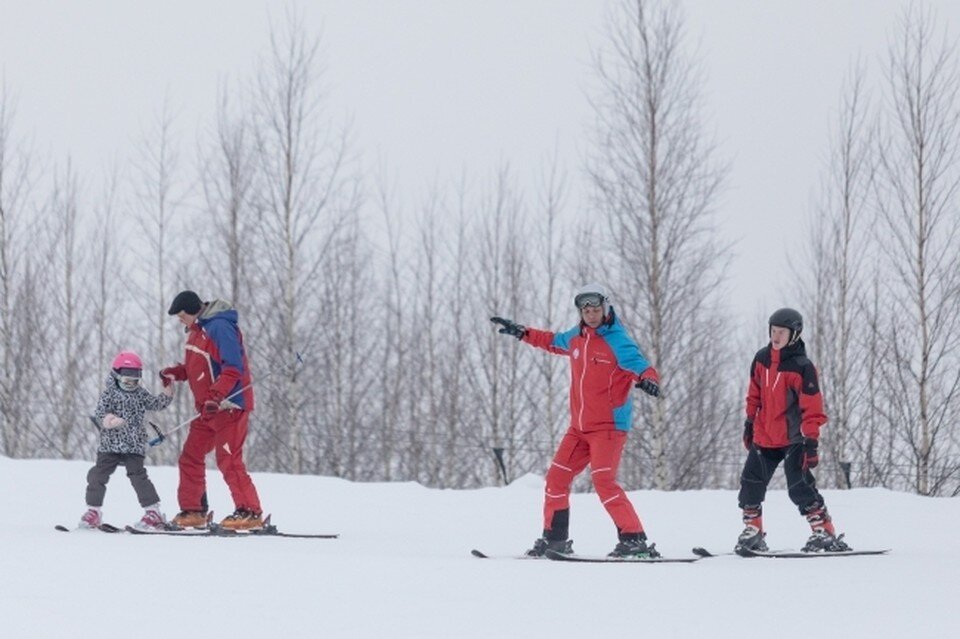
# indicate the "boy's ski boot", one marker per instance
pixel 825 541
pixel 634 545
pixel 824 537
pixel 542 545
pixel 752 539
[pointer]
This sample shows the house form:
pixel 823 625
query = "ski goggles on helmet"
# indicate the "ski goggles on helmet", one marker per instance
pixel 128 378
pixel 585 300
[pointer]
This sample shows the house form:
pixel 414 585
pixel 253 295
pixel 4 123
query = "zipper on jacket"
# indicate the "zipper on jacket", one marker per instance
pixel 582 375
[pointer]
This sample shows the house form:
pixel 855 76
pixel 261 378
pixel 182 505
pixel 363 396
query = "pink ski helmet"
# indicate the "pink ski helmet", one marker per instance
pixel 127 360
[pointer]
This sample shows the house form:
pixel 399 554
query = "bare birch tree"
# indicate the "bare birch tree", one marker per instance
pixel 553 297
pixel 16 380
pixel 835 277
pixel 917 195
pixel 158 200
pixel 227 179
pixel 307 195
pixel 656 182
pixel 69 319
pixel 503 289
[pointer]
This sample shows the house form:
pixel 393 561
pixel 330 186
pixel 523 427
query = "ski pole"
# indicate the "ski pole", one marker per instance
pixel 161 436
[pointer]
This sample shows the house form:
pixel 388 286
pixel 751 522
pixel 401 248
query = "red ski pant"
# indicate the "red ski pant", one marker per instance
pixel 225 432
pixel 601 450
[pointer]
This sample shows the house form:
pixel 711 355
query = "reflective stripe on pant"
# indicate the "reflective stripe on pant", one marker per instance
pixel 225 432
pixel 602 451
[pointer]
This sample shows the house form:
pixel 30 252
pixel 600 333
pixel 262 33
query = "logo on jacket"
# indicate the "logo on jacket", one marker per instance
pixel 576 353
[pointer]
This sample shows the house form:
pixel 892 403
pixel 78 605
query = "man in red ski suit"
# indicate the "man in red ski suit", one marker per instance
pixel 605 364
pixel 215 366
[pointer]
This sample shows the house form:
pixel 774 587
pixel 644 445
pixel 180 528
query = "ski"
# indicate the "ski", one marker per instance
pixel 797 554
pixel 482 555
pixel 558 556
pixel 216 530
pixel 107 528
pixel 183 532
pixel 703 553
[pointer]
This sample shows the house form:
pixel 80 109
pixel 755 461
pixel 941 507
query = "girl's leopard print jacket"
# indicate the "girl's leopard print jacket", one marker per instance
pixel 131 406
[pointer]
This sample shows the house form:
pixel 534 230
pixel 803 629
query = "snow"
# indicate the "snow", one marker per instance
pixel 402 566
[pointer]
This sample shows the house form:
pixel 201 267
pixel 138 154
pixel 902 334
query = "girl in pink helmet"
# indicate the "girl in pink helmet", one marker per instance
pixel 123 440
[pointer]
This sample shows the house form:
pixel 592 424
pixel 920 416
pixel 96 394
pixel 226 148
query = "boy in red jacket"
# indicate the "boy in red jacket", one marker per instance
pixel 605 363
pixel 784 416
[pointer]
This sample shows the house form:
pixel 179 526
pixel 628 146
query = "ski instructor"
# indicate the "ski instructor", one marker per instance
pixel 215 366
pixel 605 363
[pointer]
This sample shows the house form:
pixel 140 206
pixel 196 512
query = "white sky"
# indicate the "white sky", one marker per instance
pixel 436 86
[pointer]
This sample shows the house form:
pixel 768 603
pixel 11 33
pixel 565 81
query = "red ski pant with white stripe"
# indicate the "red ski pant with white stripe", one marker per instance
pixel 225 431
pixel 601 450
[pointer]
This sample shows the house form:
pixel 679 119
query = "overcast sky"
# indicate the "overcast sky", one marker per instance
pixel 436 86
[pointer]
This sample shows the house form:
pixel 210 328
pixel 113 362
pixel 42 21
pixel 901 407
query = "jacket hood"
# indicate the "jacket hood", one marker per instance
pixel 218 309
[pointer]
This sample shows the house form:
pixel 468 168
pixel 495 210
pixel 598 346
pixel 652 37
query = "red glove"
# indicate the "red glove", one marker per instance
pixel 173 373
pixel 211 405
pixel 810 456
pixel 210 408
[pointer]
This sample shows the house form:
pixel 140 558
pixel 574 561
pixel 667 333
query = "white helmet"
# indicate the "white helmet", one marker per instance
pixel 592 295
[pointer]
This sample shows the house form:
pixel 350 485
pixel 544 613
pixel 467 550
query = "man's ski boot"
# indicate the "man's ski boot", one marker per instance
pixel 243 519
pixel 825 541
pixel 90 519
pixel 542 545
pixel 634 545
pixel 190 519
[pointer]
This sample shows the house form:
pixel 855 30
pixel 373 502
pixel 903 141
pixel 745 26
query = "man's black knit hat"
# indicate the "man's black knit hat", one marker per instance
pixel 186 301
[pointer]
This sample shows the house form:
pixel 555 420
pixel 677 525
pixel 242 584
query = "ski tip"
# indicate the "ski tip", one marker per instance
pixel 702 552
pixel 61 528
pixel 477 553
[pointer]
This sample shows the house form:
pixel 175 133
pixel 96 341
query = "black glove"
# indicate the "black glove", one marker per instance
pixel 810 456
pixel 649 387
pixel 510 327
pixel 748 434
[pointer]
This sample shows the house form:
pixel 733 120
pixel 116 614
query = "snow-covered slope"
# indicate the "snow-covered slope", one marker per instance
pixel 402 566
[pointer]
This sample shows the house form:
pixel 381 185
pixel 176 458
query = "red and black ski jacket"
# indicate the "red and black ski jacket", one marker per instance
pixel 784 399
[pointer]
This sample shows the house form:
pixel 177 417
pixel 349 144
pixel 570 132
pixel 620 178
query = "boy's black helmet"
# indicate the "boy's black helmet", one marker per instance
pixel 790 319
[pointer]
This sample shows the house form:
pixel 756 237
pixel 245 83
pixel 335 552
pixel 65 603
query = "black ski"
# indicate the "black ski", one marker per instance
pixel 559 556
pixel 797 554
pixel 482 555
pixel 703 553
pixel 107 528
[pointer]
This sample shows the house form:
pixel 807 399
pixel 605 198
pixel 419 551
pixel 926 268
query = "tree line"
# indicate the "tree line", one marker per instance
pixel 400 376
